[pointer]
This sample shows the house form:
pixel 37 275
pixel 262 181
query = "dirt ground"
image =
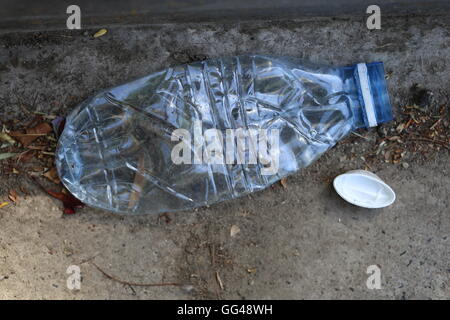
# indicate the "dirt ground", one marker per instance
pixel 300 241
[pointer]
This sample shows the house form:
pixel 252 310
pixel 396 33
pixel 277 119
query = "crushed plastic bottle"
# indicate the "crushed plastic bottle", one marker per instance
pixel 117 149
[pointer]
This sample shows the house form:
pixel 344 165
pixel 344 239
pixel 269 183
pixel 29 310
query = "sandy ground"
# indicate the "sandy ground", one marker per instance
pixel 298 242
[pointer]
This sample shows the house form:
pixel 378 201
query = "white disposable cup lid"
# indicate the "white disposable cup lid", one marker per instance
pixel 364 189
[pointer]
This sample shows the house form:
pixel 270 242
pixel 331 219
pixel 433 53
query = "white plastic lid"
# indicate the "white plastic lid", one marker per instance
pixel 364 189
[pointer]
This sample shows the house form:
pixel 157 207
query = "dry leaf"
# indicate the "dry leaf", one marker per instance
pixel 234 230
pixel 7 138
pixel 13 195
pixel 52 175
pixel 70 203
pixel 7 155
pixel 100 33
pixel 283 183
pixel 3 204
pixel 32 134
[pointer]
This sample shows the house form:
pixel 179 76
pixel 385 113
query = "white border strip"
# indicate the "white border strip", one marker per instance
pixel 367 96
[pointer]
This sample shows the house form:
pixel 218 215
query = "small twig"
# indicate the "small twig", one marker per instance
pixel 435 124
pixel 34 101
pixel 27 134
pixel 135 284
pixel 219 281
pixel 439 142
pixel 385 45
pixel 408 123
pixel 89 259
pixel 132 289
pixel 365 162
pixel 36 147
pixel 213 254
pixel 48 153
pixel 22 154
pixel 358 135
pixel 24 108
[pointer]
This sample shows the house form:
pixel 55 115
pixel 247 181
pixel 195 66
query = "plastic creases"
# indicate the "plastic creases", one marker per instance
pixel 213 130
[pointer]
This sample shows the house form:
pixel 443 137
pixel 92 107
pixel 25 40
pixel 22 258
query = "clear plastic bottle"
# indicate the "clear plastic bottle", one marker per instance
pixel 116 150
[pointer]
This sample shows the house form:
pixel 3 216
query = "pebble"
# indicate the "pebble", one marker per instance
pixel 405 165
